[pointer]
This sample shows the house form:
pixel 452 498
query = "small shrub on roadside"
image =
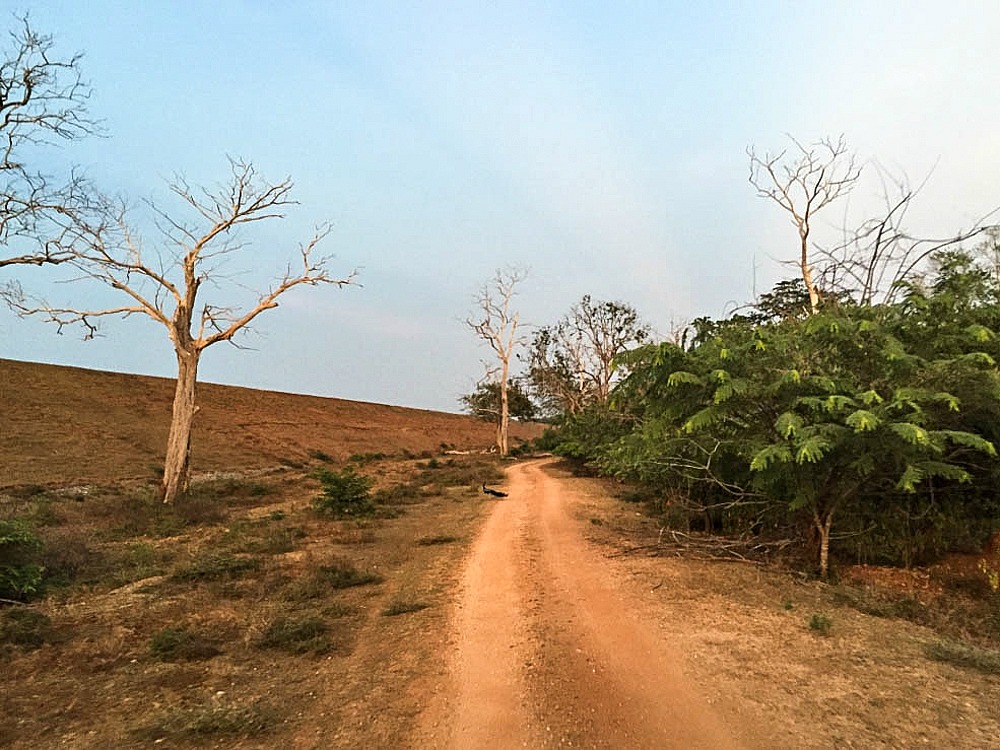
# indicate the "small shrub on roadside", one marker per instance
pixel 202 505
pixel 401 607
pixel 820 624
pixel 23 626
pixel 261 537
pixel 345 494
pixel 180 644
pixel 428 541
pixel 319 455
pixel 209 719
pixel 366 458
pixel 343 575
pixel 297 635
pixel 67 559
pixel 20 568
pixel 215 567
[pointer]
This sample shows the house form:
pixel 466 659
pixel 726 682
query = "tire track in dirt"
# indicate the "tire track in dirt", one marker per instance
pixel 549 651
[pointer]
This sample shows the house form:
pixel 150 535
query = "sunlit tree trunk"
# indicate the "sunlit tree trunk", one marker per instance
pixel 177 464
pixel 807 274
pixel 823 524
pixel 503 428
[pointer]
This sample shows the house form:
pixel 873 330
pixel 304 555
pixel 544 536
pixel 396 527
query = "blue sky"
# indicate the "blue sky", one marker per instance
pixel 602 145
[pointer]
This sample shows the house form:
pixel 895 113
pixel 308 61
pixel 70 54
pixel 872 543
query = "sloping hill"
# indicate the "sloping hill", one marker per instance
pixel 65 425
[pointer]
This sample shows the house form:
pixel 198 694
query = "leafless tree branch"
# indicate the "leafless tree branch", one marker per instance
pixel 803 183
pixel 43 99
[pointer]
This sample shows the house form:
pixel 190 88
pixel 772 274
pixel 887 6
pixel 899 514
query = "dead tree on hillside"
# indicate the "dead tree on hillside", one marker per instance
pixel 497 324
pixel 165 286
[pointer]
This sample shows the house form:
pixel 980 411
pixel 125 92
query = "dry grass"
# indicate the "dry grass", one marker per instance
pixel 207 621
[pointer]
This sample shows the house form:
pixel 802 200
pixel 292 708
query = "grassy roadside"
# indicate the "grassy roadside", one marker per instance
pixel 240 615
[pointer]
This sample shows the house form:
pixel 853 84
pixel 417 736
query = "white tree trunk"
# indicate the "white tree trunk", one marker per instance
pixel 503 429
pixel 807 276
pixel 823 526
pixel 176 465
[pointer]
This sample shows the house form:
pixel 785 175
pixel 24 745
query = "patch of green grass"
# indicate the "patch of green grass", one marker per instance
pixel 180 644
pixel 215 567
pixel 359 532
pixel 403 607
pixel 965 655
pixel 26 627
pixel 70 561
pixel 318 455
pixel 905 607
pixel 820 623
pixel 140 513
pixel 44 512
pixel 25 491
pixel 210 719
pixel 21 569
pixel 428 541
pixel 399 494
pixel 337 610
pixel 466 474
pixel 343 575
pixel 297 635
pixel 366 458
pixel 67 559
pixel 261 537
pixel 202 505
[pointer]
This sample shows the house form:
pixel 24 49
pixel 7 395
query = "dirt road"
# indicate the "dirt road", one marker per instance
pixel 548 651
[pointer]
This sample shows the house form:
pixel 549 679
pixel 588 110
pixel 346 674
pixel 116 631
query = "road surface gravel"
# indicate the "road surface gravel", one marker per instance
pixel 548 650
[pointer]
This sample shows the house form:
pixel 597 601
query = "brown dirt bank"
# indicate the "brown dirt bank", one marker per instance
pixel 65 425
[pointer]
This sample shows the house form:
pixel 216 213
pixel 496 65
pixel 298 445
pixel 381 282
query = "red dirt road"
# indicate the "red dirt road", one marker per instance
pixel 547 648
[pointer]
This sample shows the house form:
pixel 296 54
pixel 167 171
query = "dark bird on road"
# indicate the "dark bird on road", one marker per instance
pixel 492 492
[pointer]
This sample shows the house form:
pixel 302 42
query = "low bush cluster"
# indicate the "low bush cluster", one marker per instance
pixel 346 494
pixel 20 569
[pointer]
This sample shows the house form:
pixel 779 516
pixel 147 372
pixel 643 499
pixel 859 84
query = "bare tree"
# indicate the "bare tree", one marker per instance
pixel 165 286
pixel 43 100
pixel 803 183
pixel 497 324
pixel 573 362
pixel 873 260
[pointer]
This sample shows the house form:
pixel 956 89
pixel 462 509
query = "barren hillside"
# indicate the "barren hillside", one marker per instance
pixel 63 425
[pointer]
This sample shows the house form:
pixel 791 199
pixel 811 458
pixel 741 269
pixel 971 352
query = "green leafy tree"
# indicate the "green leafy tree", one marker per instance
pixel 823 417
pixel 486 402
